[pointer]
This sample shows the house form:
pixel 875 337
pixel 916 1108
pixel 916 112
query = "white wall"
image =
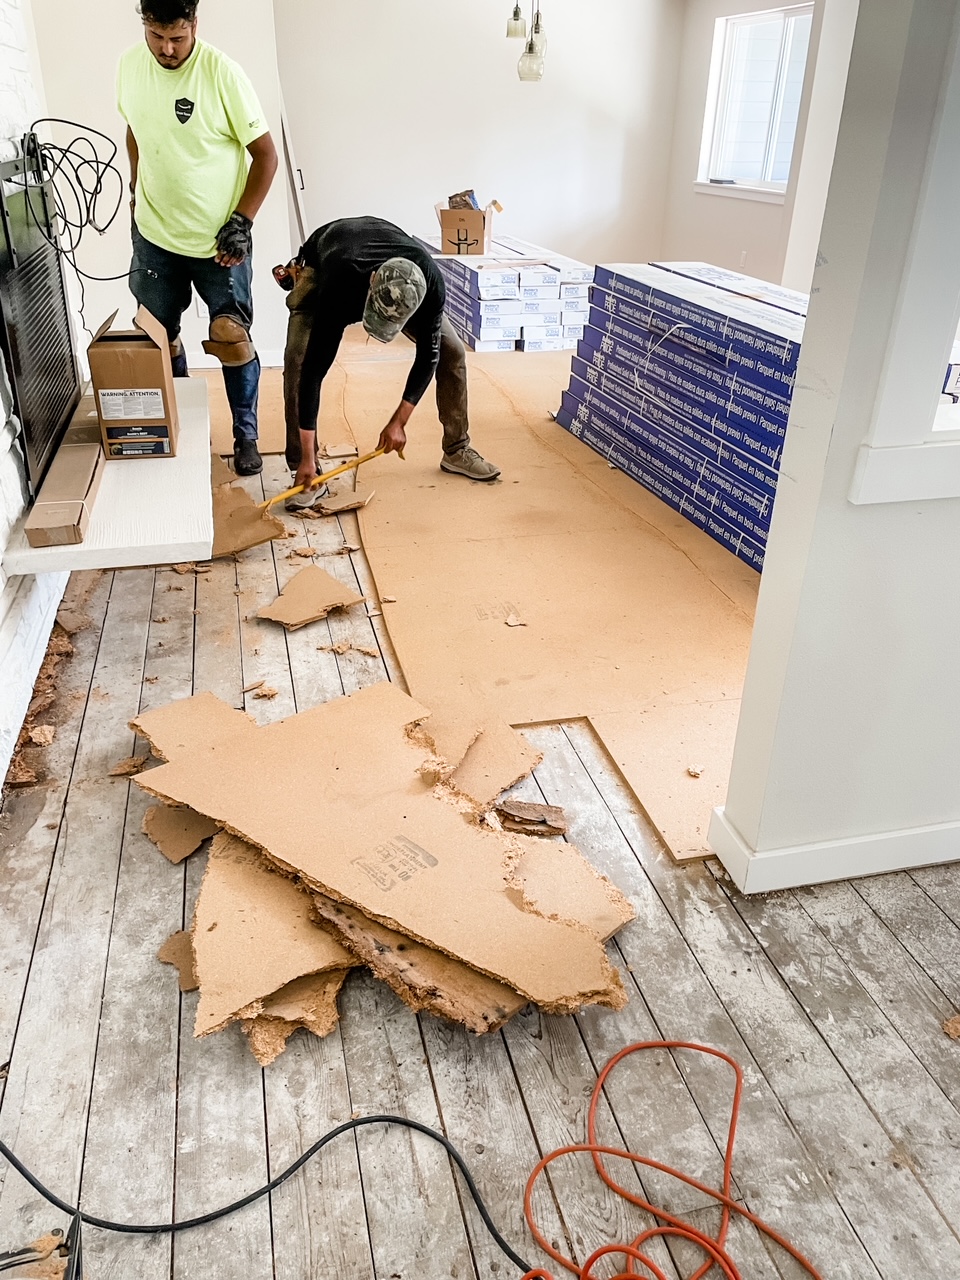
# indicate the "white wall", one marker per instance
pixel 27 605
pixel 78 48
pixel 394 106
pixel 754 235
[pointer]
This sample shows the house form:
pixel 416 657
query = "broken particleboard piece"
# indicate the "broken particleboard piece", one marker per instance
pixel 531 819
pixel 253 932
pixel 309 1003
pixel 344 450
pixel 952 1027
pixel 349 500
pixel 178 726
pixel 41 735
pixel 220 473
pixel 128 767
pixel 176 830
pixel 562 884
pixel 416 863
pixel 498 759
pixel 452 729
pixel 178 951
pixel 309 596
pixel 238 523
pixel 426 980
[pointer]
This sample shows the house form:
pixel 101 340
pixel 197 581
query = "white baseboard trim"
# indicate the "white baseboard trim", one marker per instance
pixel 23 643
pixel 868 855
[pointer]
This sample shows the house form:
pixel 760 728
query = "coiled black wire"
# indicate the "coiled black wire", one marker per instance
pixel 188 1224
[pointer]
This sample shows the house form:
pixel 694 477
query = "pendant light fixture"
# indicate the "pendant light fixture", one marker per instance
pixel 530 66
pixel 517 25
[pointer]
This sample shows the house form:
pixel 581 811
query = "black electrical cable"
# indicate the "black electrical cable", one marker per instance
pixel 168 1228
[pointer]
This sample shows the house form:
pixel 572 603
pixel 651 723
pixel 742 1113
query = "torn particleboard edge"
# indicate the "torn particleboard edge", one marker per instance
pixel 176 830
pixel 338 503
pixel 496 761
pixel 238 523
pixel 308 1003
pixel 253 934
pixel 426 980
pixel 531 819
pixel 309 596
pixel 178 951
pixel 177 726
pixel 409 831
pixel 220 473
pixel 952 1027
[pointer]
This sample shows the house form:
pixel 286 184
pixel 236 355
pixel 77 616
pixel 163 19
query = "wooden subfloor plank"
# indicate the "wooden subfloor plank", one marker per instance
pixel 487 1119
pixel 31 820
pixel 217 665
pixel 221 1145
pixel 45 1107
pixel 131 1140
pixel 776 1171
pixel 413 1210
pixel 920 925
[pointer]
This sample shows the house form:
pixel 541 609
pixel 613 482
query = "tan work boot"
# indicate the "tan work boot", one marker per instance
pixel 467 462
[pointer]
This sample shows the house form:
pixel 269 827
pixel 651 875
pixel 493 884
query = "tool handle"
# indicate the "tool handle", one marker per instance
pixel 318 480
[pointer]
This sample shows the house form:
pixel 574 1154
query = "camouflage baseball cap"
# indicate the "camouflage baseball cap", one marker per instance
pixel 397 290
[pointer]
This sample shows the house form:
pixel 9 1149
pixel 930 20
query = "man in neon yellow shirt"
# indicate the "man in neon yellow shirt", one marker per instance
pixel 201 163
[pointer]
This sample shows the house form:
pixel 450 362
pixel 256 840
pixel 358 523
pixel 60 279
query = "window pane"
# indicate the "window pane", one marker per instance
pixel 784 130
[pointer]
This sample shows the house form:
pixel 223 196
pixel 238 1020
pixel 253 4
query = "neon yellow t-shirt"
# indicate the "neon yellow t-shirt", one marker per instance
pixel 192 127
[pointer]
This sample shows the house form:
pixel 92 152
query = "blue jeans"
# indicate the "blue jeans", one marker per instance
pixel 166 292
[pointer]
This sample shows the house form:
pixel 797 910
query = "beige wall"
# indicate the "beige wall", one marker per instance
pixel 393 107
pixel 755 236
pixel 78 47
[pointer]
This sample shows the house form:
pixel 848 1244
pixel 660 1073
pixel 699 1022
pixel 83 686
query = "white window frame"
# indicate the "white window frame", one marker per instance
pixel 717 99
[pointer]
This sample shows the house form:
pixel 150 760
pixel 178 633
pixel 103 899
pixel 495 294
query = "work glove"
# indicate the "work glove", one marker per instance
pixel 235 238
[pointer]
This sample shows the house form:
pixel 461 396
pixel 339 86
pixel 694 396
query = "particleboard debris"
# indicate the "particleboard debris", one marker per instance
pixel 177 727
pixel 305 553
pixel 238 523
pixel 416 862
pixel 220 473
pixel 190 568
pixel 42 735
pixel 952 1027
pixel 514 620
pixel 337 503
pixel 128 767
pixel 532 819
pixel 20 774
pixel 253 933
pixel 426 980
pixel 257 684
pixel 266 693
pixel 344 646
pixel 176 830
pixel 178 951
pixel 309 596
pixel 310 1003
pixel 498 759
pixel 344 450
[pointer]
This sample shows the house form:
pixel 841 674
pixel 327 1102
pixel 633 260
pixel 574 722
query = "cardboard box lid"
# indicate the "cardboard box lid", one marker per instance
pixel 146 325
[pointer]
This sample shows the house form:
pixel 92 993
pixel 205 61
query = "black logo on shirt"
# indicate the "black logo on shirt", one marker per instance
pixel 184 109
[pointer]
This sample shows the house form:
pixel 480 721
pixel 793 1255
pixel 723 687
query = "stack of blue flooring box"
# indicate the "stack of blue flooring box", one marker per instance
pixel 519 297
pixel 683 380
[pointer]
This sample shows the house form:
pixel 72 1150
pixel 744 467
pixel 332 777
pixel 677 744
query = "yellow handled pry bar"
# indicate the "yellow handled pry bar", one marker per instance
pixel 327 475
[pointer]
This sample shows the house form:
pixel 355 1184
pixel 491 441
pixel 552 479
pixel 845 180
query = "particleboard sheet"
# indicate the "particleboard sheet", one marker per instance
pixel 347 500
pixel 176 830
pixel 309 596
pixel 220 473
pixel 253 933
pixel 238 523
pixel 628 609
pixel 178 726
pixel 415 862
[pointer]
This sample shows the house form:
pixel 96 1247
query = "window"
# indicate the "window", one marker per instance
pixel 754 103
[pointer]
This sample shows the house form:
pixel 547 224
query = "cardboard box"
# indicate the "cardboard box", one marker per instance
pixel 133 387
pixel 84 426
pixel 61 513
pixel 539 274
pixel 541 292
pixel 466 231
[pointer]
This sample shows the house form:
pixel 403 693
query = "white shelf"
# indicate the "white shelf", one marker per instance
pixel 148 510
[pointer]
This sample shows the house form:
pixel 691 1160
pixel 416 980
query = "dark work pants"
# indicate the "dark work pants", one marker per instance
pixel 301 398
pixel 163 282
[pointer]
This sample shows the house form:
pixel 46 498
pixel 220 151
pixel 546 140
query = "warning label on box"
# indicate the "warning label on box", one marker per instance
pixel 135 402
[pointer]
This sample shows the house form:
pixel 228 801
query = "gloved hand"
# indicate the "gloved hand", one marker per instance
pixel 234 240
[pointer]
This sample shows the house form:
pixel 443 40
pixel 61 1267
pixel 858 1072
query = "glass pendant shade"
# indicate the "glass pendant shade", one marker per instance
pixel 539 35
pixel 517 25
pixel 530 66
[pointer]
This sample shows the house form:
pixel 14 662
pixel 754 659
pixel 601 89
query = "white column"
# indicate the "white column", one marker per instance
pixel 847 759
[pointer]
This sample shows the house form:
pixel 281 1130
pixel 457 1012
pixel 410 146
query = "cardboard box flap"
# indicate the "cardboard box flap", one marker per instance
pixel 105 326
pixel 151 326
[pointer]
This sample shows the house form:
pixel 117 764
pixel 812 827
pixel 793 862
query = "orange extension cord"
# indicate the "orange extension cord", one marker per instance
pixel 713 1247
